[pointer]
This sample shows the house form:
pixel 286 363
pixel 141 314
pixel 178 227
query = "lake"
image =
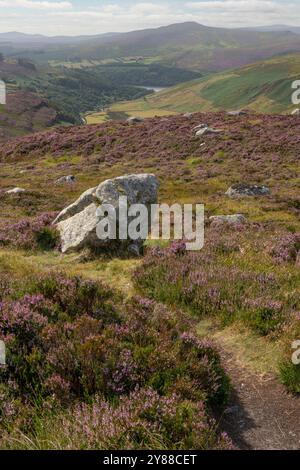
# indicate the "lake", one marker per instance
pixel 156 89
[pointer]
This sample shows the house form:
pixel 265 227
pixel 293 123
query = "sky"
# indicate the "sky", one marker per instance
pixel 76 17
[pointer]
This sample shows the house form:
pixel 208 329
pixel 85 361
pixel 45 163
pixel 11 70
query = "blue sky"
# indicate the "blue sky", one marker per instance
pixel 71 17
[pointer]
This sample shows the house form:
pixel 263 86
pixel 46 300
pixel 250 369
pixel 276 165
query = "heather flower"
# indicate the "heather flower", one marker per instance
pixel 286 248
pixel 31 234
pixel 140 421
pixel 125 376
pixel 21 317
pixel 178 248
pixel 58 386
pixel 70 340
pixel 144 302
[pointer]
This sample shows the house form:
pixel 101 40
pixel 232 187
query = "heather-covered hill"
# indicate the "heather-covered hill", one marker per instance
pixel 25 113
pixel 255 148
pixel 91 355
pixel 72 92
pixel 262 86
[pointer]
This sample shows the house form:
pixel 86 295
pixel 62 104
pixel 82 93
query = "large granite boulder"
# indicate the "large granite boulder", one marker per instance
pixel 77 224
pixel 86 199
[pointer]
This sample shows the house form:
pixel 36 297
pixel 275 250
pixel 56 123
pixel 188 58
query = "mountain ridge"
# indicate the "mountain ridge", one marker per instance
pixel 186 45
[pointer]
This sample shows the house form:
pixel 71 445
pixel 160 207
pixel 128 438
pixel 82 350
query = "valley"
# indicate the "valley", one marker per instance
pixel 93 89
pixel 71 93
pixel 262 87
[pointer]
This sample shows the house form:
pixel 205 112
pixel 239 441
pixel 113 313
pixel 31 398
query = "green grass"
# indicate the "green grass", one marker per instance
pixel 117 271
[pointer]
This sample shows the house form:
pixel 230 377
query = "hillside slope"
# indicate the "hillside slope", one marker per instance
pixel 25 113
pixel 264 86
pixel 242 287
pixel 69 92
pixel 72 92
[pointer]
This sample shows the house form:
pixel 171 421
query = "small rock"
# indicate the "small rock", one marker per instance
pixel 236 219
pixel 134 120
pixel 242 189
pixel 200 126
pixel 296 112
pixel 237 113
pixel 70 179
pixel 188 115
pixel 207 131
pixel 16 191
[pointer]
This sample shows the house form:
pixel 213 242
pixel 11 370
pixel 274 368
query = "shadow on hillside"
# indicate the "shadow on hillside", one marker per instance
pixel 235 421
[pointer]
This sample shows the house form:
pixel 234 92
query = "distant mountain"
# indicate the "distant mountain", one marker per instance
pixel 14 37
pixel 264 86
pixel 275 28
pixel 185 45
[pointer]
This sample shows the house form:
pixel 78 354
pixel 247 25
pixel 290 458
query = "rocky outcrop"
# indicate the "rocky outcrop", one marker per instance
pixel 235 219
pixel 70 179
pixel 199 127
pixel 238 112
pixel 204 129
pixel 16 191
pixel 135 120
pixel 244 190
pixel 77 224
pixel 208 131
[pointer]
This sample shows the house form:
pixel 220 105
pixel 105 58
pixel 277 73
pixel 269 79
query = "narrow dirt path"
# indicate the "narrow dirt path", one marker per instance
pixel 261 415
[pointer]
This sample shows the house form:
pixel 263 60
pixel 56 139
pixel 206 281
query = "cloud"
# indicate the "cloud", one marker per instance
pixel 240 7
pixel 246 12
pixel 35 5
